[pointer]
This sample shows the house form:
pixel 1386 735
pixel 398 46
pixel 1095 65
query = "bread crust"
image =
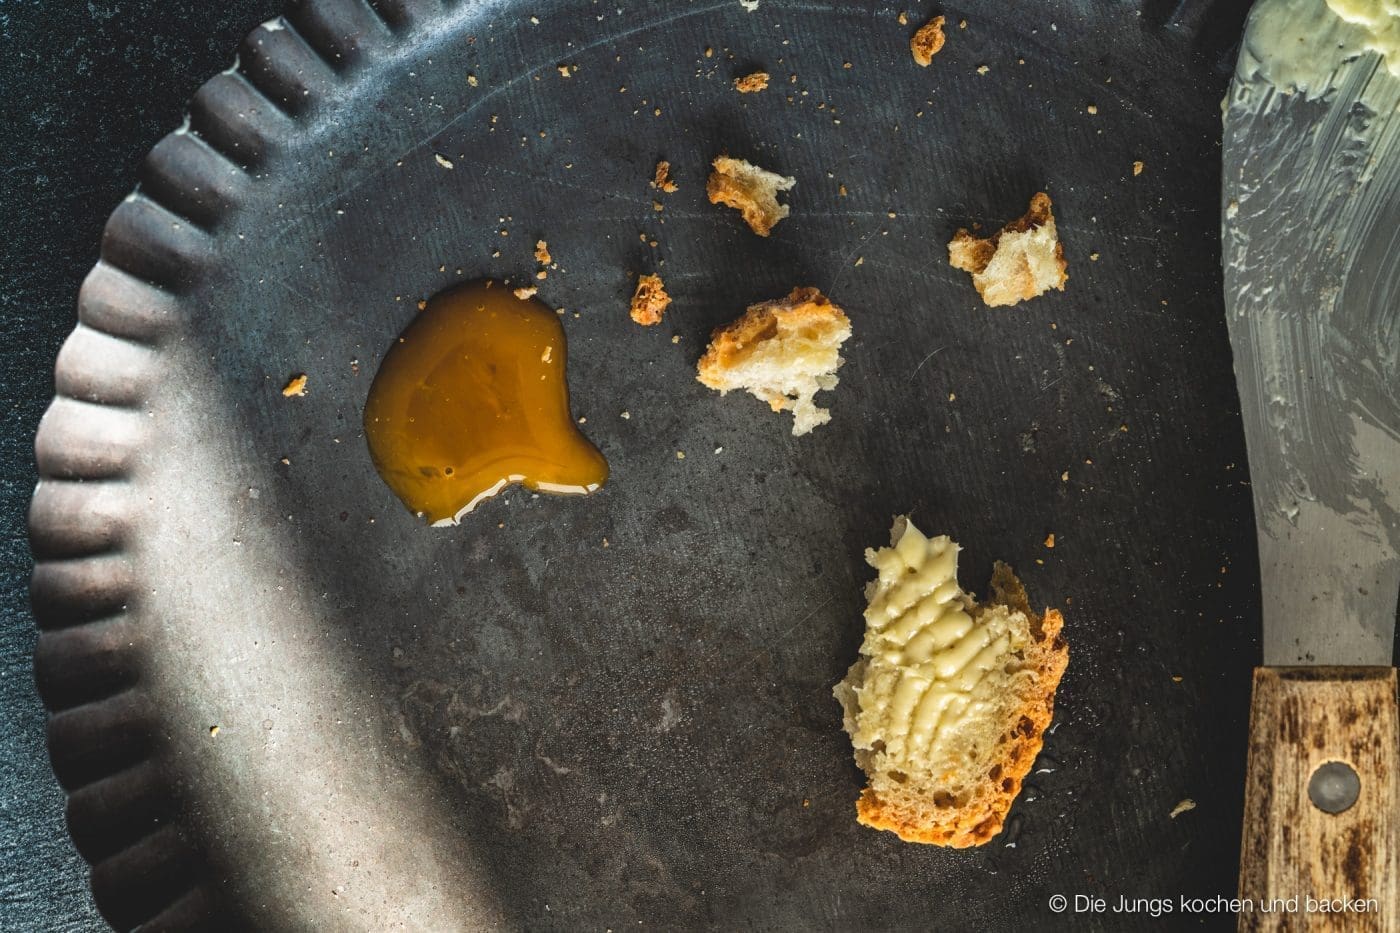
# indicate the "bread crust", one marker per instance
pixel 927 42
pixel 918 816
pixel 973 254
pixel 750 190
pixel 728 343
pixel 649 301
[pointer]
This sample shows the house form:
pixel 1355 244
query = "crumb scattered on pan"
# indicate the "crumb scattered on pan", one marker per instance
pixel 751 83
pixel 649 301
pixel 749 5
pixel 213 730
pixel 1092 109
pixel 542 253
pixel 982 69
pixel 680 455
pixel 471 80
pixel 750 190
pixel 1185 806
pixel 927 41
pixel 1050 540
pixel 1137 167
pixel 526 293
pixel 567 71
pixel 442 160
pixel 296 386
pixel 662 178
pixel 1020 261
pixel 902 18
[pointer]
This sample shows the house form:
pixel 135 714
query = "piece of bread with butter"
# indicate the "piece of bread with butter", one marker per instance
pixel 949 701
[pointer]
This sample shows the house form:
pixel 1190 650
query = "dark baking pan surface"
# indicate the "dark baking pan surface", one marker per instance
pixel 283 702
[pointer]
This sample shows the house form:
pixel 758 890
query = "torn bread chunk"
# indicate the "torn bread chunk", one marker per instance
pixel 927 42
pixel 649 301
pixel 950 699
pixel 784 352
pixel 1020 261
pixel 750 190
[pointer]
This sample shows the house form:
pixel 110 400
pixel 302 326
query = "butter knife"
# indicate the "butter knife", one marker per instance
pixel 1311 255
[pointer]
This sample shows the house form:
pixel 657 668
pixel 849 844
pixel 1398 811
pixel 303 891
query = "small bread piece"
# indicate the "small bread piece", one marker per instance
pixel 928 41
pixel 949 701
pixel 782 351
pixel 649 301
pixel 1020 261
pixel 752 83
pixel 750 190
pixel 662 178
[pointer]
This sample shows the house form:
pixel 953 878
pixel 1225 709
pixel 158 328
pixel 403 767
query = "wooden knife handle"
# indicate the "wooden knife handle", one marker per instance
pixel 1302 719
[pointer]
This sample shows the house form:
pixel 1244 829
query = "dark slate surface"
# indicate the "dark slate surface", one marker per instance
pixel 85 89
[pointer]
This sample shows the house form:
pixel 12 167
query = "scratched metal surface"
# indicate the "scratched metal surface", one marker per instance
pixel 1314 313
pixel 615 710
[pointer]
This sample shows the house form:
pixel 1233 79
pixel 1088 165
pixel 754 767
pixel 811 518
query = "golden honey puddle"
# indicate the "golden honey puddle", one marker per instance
pixel 473 397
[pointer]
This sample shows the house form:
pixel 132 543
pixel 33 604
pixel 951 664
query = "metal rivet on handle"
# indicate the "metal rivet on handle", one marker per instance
pixel 1334 787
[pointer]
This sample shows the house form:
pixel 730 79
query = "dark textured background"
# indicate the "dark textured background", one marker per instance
pixel 85 89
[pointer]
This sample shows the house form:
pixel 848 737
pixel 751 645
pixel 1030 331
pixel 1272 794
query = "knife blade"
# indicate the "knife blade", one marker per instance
pixel 1311 262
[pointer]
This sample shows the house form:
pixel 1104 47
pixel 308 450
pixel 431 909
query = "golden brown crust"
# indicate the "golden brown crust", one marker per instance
pixel 973 254
pixel 734 184
pixel 918 817
pixel 649 301
pixel 758 323
pixel 928 41
pixel 662 178
pixel 751 83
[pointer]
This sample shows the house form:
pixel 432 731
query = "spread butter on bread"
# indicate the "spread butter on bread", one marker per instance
pixel 784 352
pixel 949 701
pixel 1020 261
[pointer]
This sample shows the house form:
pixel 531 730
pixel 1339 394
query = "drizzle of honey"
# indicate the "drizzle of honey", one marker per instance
pixel 473 397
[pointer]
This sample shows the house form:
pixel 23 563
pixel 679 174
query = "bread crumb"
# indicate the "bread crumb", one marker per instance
pixel 213 730
pixel 1137 167
pixel 1092 108
pixel 709 52
pixel 422 304
pixel 542 253
pixel 902 18
pixel 657 206
pixel 567 71
pixel 749 5
pixel 526 293
pixel 841 190
pixel 1185 806
pixel 649 301
pixel 680 455
pixel 442 160
pixel 626 416
pixel 927 42
pixel 296 386
pixel 1094 257
pixel 662 178
pixel 752 83
pixel 1050 540
pixel 982 69
pixel 962 24
pixel 1176 678
pixel 783 352
pixel 471 80
pixel 1020 261
pixel 750 190
pixel 548 354
pixel 1064 477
